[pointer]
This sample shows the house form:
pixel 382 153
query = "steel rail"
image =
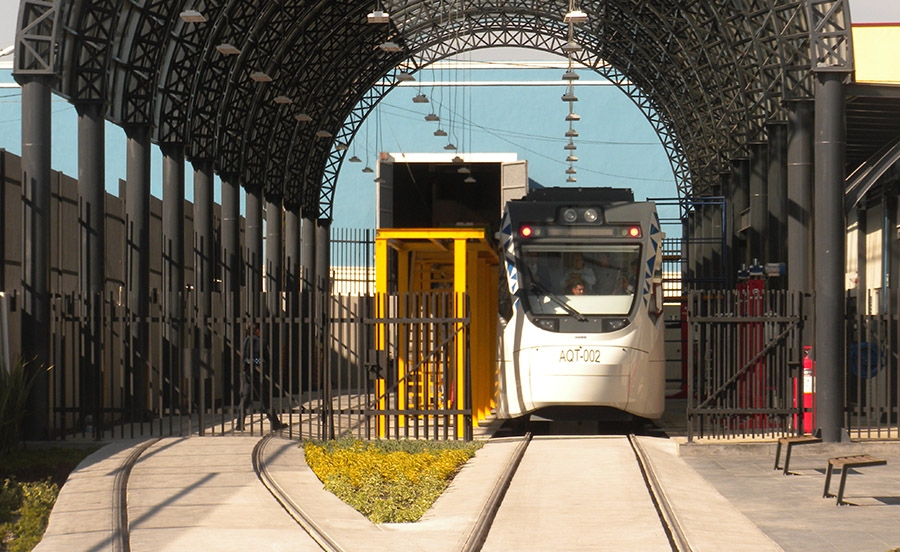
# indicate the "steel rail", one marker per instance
pixel 318 534
pixel 674 531
pixel 479 533
pixel 121 537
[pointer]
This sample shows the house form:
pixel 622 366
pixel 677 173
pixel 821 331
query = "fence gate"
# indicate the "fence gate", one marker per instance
pixel 745 360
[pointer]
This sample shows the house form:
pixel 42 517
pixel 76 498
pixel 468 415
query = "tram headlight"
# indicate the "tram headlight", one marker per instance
pixel 590 215
pixel 548 324
pixel 570 215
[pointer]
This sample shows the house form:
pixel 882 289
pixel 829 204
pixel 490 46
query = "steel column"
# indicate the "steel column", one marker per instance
pixel 91 212
pixel 799 189
pixel 91 196
pixel 740 201
pixel 759 202
pixel 173 228
pixel 273 252
pixel 776 185
pixel 253 248
pixel 204 276
pixel 323 292
pixel 173 271
pixel 291 252
pixel 36 192
pixel 204 240
pixel 231 279
pixel 829 251
pixel 137 258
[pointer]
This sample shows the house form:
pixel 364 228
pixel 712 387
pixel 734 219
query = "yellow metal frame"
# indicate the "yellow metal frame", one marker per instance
pixel 422 256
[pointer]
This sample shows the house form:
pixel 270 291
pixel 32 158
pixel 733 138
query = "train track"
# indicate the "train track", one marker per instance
pixel 506 492
pixel 494 522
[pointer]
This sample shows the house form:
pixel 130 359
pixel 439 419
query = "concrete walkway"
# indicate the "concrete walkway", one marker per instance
pixel 202 493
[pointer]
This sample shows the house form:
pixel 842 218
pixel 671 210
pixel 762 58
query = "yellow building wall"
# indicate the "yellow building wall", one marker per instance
pixel 876 52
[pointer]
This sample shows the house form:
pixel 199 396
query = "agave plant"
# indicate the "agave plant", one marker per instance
pixel 16 382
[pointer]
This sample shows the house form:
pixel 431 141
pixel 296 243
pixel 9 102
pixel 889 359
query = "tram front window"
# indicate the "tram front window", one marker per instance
pixel 590 279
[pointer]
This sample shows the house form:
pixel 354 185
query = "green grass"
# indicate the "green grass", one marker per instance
pixel 30 480
pixel 388 481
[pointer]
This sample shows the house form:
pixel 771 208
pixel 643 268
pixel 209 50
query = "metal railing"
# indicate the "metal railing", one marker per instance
pixel 115 375
pixel 744 363
pixel 872 388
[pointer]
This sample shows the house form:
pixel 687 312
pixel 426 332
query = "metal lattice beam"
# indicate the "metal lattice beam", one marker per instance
pixel 708 74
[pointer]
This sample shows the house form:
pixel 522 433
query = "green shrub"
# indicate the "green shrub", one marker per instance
pixel 388 481
pixel 24 512
pixel 16 382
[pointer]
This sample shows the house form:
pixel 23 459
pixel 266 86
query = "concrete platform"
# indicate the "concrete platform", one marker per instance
pixel 202 493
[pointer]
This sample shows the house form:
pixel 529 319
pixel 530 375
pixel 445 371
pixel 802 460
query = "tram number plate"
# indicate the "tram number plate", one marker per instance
pixel 579 355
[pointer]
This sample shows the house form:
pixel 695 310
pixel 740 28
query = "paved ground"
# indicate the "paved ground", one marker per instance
pixel 202 493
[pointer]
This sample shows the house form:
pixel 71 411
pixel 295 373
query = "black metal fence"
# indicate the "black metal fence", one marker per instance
pixel 872 388
pixel 322 371
pixel 745 361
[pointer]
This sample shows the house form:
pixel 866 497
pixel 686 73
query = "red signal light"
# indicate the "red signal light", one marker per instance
pixel 634 232
pixel 526 231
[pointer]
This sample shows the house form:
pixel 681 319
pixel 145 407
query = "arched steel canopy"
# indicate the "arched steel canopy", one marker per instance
pixel 708 74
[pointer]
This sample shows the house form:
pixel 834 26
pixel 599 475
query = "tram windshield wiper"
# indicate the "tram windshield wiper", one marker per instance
pixel 555 298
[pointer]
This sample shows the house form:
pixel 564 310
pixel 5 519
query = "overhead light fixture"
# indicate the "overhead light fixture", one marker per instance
pixel 323 134
pixel 260 76
pixel 570 75
pixel 340 146
pixel 227 49
pixel 571 170
pixel 420 98
pixel 571 159
pixel 440 132
pixel 457 160
pixel 432 117
pixel 367 169
pixel 470 180
pixel 302 118
pixel 571 179
pixel 571 47
pixel 573 117
pixel 575 16
pixel 404 76
pixel 282 100
pixel 377 17
pixel 450 147
pixel 192 16
pixel 571 133
pixel 390 47
pixel 569 97
pixel 570 146
pixel 380 180
pixel 463 170
pixel 355 159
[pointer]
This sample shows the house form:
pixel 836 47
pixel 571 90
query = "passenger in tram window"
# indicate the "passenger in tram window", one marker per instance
pixel 575 268
pixel 575 286
pixel 608 276
pixel 633 277
pixel 255 378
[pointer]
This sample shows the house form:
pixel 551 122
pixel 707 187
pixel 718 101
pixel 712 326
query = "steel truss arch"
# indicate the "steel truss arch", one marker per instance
pixel 708 74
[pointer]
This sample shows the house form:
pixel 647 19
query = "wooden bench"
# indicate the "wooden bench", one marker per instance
pixel 843 463
pixel 790 442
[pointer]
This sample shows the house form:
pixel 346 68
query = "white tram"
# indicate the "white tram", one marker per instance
pixel 582 322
